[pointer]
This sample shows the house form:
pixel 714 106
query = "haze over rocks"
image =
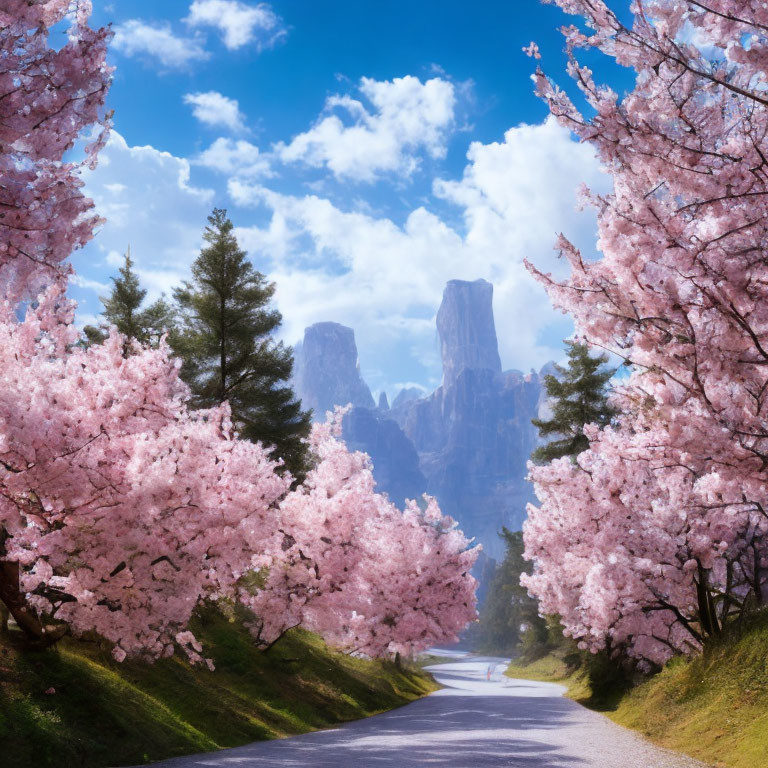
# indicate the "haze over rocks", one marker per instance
pixel 467 443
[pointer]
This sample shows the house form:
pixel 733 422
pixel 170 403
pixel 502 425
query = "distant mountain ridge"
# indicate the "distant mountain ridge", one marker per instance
pixel 467 443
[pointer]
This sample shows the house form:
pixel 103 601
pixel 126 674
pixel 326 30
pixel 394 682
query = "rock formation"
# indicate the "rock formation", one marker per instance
pixel 395 461
pixel 404 395
pixel 467 443
pixel 467 330
pixel 326 370
pixel 326 374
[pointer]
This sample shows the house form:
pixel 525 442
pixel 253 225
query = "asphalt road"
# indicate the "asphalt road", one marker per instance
pixel 470 723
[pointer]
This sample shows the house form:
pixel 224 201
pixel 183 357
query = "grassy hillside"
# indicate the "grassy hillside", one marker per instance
pixel 103 713
pixel 714 707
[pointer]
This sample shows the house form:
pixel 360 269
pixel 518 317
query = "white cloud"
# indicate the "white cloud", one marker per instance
pixel 383 278
pixel 138 38
pixel 239 23
pixel 235 158
pixel 149 204
pixel 92 285
pixel 386 280
pixel 214 109
pixel 406 117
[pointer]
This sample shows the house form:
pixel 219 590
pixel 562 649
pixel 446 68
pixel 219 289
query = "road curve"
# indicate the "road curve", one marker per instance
pixel 472 722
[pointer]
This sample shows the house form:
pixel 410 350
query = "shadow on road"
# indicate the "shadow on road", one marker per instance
pixel 462 732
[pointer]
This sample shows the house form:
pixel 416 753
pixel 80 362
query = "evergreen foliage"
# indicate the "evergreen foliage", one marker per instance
pixel 579 396
pixel 122 309
pixel 225 340
pixel 509 618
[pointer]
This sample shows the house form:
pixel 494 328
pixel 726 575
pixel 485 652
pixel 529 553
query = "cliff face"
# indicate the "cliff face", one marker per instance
pixel 326 374
pixel 326 370
pixel 474 438
pixel 395 461
pixel 468 442
pixel 474 433
pixel 467 330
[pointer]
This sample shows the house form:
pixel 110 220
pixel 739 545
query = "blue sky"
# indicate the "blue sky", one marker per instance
pixel 367 152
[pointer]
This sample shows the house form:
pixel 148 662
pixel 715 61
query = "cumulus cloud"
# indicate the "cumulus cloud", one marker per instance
pixel 138 38
pixel 214 109
pixel 386 280
pixel 235 158
pixel 149 204
pixel 239 24
pixel 402 117
pixel 382 277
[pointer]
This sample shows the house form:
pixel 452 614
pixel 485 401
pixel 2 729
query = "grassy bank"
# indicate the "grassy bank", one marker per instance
pixel 713 707
pixel 103 713
pixel 553 669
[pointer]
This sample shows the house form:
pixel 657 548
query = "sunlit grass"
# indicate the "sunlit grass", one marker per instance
pixel 104 713
pixel 713 707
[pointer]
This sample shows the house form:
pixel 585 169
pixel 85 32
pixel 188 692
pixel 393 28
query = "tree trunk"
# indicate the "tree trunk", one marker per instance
pixel 707 613
pixel 16 604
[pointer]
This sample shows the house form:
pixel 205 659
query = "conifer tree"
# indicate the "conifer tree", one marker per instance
pixel 123 310
pixel 509 618
pixel 579 395
pixel 225 340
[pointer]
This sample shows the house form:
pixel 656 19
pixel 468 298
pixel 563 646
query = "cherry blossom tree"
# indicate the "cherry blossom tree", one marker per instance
pixel 674 497
pixel 119 509
pixel 366 576
pixel 48 96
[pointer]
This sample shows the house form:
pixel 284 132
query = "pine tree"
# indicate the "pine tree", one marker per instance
pixel 123 310
pixel 509 618
pixel 579 395
pixel 225 340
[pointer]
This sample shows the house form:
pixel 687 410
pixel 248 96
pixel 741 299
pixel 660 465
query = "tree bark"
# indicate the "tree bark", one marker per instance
pixel 16 604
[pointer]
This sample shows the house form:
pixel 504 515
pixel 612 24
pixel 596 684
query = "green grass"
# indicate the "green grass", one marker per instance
pixel 104 713
pixel 552 668
pixel 428 659
pixel 713 707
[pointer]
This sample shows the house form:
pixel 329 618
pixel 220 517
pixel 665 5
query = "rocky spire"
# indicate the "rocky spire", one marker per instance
pixel 466 329
pixel 327 372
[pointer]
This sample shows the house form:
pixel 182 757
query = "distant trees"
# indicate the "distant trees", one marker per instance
pixel 509 618
pixel 578 395
pixel 225 338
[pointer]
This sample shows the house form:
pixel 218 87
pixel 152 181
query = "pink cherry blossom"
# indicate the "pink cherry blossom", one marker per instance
pixel 366 576
pixel 49 97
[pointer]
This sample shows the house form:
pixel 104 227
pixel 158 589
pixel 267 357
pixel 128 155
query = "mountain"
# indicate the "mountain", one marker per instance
pixel 327 370
pixel 326 374
pixel 467 443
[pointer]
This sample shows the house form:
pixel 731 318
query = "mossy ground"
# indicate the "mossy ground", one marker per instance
pixel 108 714
pixel 713 707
